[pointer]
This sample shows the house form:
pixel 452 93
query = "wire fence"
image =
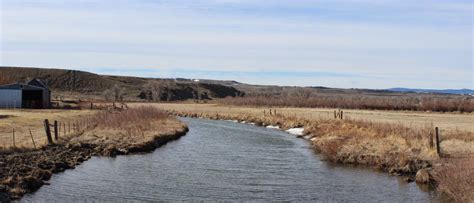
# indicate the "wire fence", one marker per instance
pixel 53 132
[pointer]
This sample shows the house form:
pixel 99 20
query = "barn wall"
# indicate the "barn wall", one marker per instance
pixel 46 99
pixel 10 98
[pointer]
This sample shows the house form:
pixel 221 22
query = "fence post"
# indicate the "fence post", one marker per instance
pixel 48 131
pixel 14 144
pixel 56 132
pixel 342 112
pixel 64 129
pixel 335 114
pixel 33 140
pixel 430 143
pixel 438 148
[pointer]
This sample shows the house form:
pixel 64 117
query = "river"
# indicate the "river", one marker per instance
pixel 222 160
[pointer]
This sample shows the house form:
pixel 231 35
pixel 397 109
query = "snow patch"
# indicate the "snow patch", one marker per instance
pixel 295 131
pixel 273 127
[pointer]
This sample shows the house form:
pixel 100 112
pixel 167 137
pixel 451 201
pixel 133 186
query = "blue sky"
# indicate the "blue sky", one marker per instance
pixel 335 43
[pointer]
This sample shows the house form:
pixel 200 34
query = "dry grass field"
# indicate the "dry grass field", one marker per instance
pixel 24 120
pixel 445 121
pixel 130 128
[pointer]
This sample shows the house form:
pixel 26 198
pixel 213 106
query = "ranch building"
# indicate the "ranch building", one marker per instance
pixel 32 95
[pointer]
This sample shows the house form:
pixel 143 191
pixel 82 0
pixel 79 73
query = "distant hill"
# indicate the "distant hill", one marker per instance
pixel 81 84
pixel 87 85
pixel 443 91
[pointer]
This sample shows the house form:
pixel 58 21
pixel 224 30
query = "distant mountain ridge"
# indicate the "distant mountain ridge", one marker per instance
pixel 439 91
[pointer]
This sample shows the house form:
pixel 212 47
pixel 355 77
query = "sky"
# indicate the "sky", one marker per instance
pixel 335 43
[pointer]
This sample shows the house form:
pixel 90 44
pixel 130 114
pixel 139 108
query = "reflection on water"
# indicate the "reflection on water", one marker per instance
pixel 219 160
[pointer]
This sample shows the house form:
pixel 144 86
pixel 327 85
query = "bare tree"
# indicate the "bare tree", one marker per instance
pixel 108 95
pixel 155 89
pixel 168 84
pixel 114 94
pixel 118 93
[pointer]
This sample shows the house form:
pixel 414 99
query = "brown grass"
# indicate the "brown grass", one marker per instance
pixel 456 178
pixel 389 146
pixel 456 130
pixel 23 120
pixel 142 116
pixel 130 127
pixel 313 98
pixel 447 122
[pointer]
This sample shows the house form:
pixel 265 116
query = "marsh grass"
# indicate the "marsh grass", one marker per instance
pixel 141 116
pixel 313 99
pixel 455 177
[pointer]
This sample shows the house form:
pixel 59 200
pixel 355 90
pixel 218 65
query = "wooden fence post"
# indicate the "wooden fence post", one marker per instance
pixel 48 131
pixel 14 144
pixel 430 141
pixel 438 148
pixel 56 132
pixel 33 140
pixel 342 112
pixel 64 129
pixel 335 114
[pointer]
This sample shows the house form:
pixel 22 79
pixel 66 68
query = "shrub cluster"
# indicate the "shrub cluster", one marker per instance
pixel 438 103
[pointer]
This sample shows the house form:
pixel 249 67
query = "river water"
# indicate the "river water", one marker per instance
pixel 222 160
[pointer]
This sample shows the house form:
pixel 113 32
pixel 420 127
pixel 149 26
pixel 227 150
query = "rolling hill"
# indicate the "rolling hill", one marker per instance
pixel 89 85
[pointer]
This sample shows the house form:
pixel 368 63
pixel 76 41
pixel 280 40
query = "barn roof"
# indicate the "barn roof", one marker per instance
pixel 37 83
pixel 19 86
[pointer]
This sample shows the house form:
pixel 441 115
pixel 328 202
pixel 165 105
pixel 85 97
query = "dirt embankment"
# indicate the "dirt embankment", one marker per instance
pixel 25 172
pixel 391 148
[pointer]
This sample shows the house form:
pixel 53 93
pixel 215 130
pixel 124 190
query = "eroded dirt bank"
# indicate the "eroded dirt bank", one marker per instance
pixel 25 172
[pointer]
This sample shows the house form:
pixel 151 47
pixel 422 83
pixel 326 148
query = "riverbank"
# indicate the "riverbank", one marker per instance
pixel 117 133
pixel 411 119
pixel 392 148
